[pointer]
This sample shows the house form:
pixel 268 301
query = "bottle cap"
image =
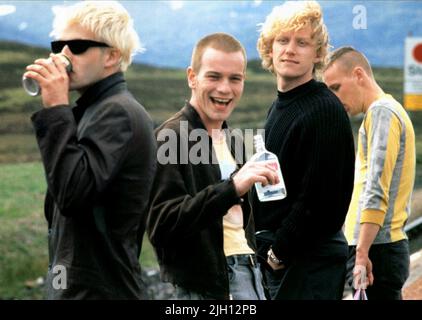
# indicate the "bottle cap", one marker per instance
pixel 258 142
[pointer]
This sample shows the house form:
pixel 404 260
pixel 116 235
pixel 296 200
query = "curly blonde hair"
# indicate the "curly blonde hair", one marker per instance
pixel 293 16
pixel 108 20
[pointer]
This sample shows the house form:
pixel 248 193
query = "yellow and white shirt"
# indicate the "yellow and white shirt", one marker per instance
pixel 384 172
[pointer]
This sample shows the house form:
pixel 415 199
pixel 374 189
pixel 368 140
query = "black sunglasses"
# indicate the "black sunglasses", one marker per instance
pixel 76 46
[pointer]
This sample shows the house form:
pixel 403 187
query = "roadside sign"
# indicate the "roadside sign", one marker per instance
pixel 413 73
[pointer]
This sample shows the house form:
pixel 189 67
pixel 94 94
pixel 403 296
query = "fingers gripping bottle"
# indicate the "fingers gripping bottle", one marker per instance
pixel 271 191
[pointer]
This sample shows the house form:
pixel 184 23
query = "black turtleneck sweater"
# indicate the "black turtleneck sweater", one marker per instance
pixel 309 130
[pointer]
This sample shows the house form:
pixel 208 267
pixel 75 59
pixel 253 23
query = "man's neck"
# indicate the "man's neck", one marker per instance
pixel 214 129
pixel 106 74
pixel 209 124
pixel 217 134
pixel 286 84
pixel 373 94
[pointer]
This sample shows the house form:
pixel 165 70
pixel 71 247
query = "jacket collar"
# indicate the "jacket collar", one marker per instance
pixel 97 91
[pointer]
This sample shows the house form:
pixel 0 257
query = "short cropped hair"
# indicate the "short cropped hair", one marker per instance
pixel 108 20
pixel 349 58
pixel 293 16
pixel 219 41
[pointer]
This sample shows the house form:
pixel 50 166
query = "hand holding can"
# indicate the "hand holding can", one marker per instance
pixel 32 87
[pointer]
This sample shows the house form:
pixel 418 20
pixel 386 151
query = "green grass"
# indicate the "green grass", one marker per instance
pixel 22 189
pixel 18 148
pixel 23 231
pixel 23 243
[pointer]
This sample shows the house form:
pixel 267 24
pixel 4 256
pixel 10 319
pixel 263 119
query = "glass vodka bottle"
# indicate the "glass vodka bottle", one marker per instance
pixel 271 191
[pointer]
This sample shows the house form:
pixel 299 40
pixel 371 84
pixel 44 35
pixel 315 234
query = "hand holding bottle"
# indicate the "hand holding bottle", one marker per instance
pixel 263 156
pixel 254 172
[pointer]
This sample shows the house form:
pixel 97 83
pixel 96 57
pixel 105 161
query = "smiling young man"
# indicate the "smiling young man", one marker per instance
pixel 299 238
pixel 99 156
pixel 199 221
pixel 385 174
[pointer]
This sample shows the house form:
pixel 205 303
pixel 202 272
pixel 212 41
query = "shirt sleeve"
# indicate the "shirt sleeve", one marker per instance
pixel 383 129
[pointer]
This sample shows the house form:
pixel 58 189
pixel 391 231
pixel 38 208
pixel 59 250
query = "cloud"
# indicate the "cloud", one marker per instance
pixel 22 26
pixel 56 9
pixel 257 3
pixel 6 9
pixel 176 5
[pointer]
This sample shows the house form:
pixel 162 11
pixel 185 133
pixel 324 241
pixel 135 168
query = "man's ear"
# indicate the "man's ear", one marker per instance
pixel 113 58
pixel 318 58
pixel 358 74
pixel 191 75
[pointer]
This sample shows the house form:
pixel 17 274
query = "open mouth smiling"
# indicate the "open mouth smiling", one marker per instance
pixel 221 101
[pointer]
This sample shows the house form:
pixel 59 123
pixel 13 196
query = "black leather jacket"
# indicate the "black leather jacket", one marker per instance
pixel 99 160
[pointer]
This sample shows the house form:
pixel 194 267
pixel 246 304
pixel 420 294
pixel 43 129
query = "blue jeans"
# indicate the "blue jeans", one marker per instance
pixel 390 267
pixel 245 278
pixel 245 281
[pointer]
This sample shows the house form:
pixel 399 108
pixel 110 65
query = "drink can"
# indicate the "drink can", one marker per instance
pixel 32 87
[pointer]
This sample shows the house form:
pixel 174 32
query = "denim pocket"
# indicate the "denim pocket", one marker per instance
pixel 231 273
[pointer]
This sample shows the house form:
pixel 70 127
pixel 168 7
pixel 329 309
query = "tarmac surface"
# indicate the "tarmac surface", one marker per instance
pixel 413 287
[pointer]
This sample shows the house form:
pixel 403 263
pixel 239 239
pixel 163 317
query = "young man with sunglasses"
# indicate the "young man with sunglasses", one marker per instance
pixel 99 156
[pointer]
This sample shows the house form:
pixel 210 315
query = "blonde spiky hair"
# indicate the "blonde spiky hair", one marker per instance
pixel 108 20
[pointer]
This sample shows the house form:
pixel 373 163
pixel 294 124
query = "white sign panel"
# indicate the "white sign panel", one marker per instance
pixel 413 73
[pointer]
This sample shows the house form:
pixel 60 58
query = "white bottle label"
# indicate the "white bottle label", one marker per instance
pixel 272 191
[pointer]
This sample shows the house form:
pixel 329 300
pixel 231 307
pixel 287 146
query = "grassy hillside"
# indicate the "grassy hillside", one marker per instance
pixel 161 91
pixel 23 243
pixel 23 232
pixel 23 254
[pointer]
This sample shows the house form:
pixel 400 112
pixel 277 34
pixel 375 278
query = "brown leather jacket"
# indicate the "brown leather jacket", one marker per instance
pixel 185 221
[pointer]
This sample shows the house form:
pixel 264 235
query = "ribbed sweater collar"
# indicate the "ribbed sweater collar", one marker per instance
pixel 285 99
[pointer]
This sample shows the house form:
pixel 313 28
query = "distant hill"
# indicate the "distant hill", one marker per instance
pixel 161 90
